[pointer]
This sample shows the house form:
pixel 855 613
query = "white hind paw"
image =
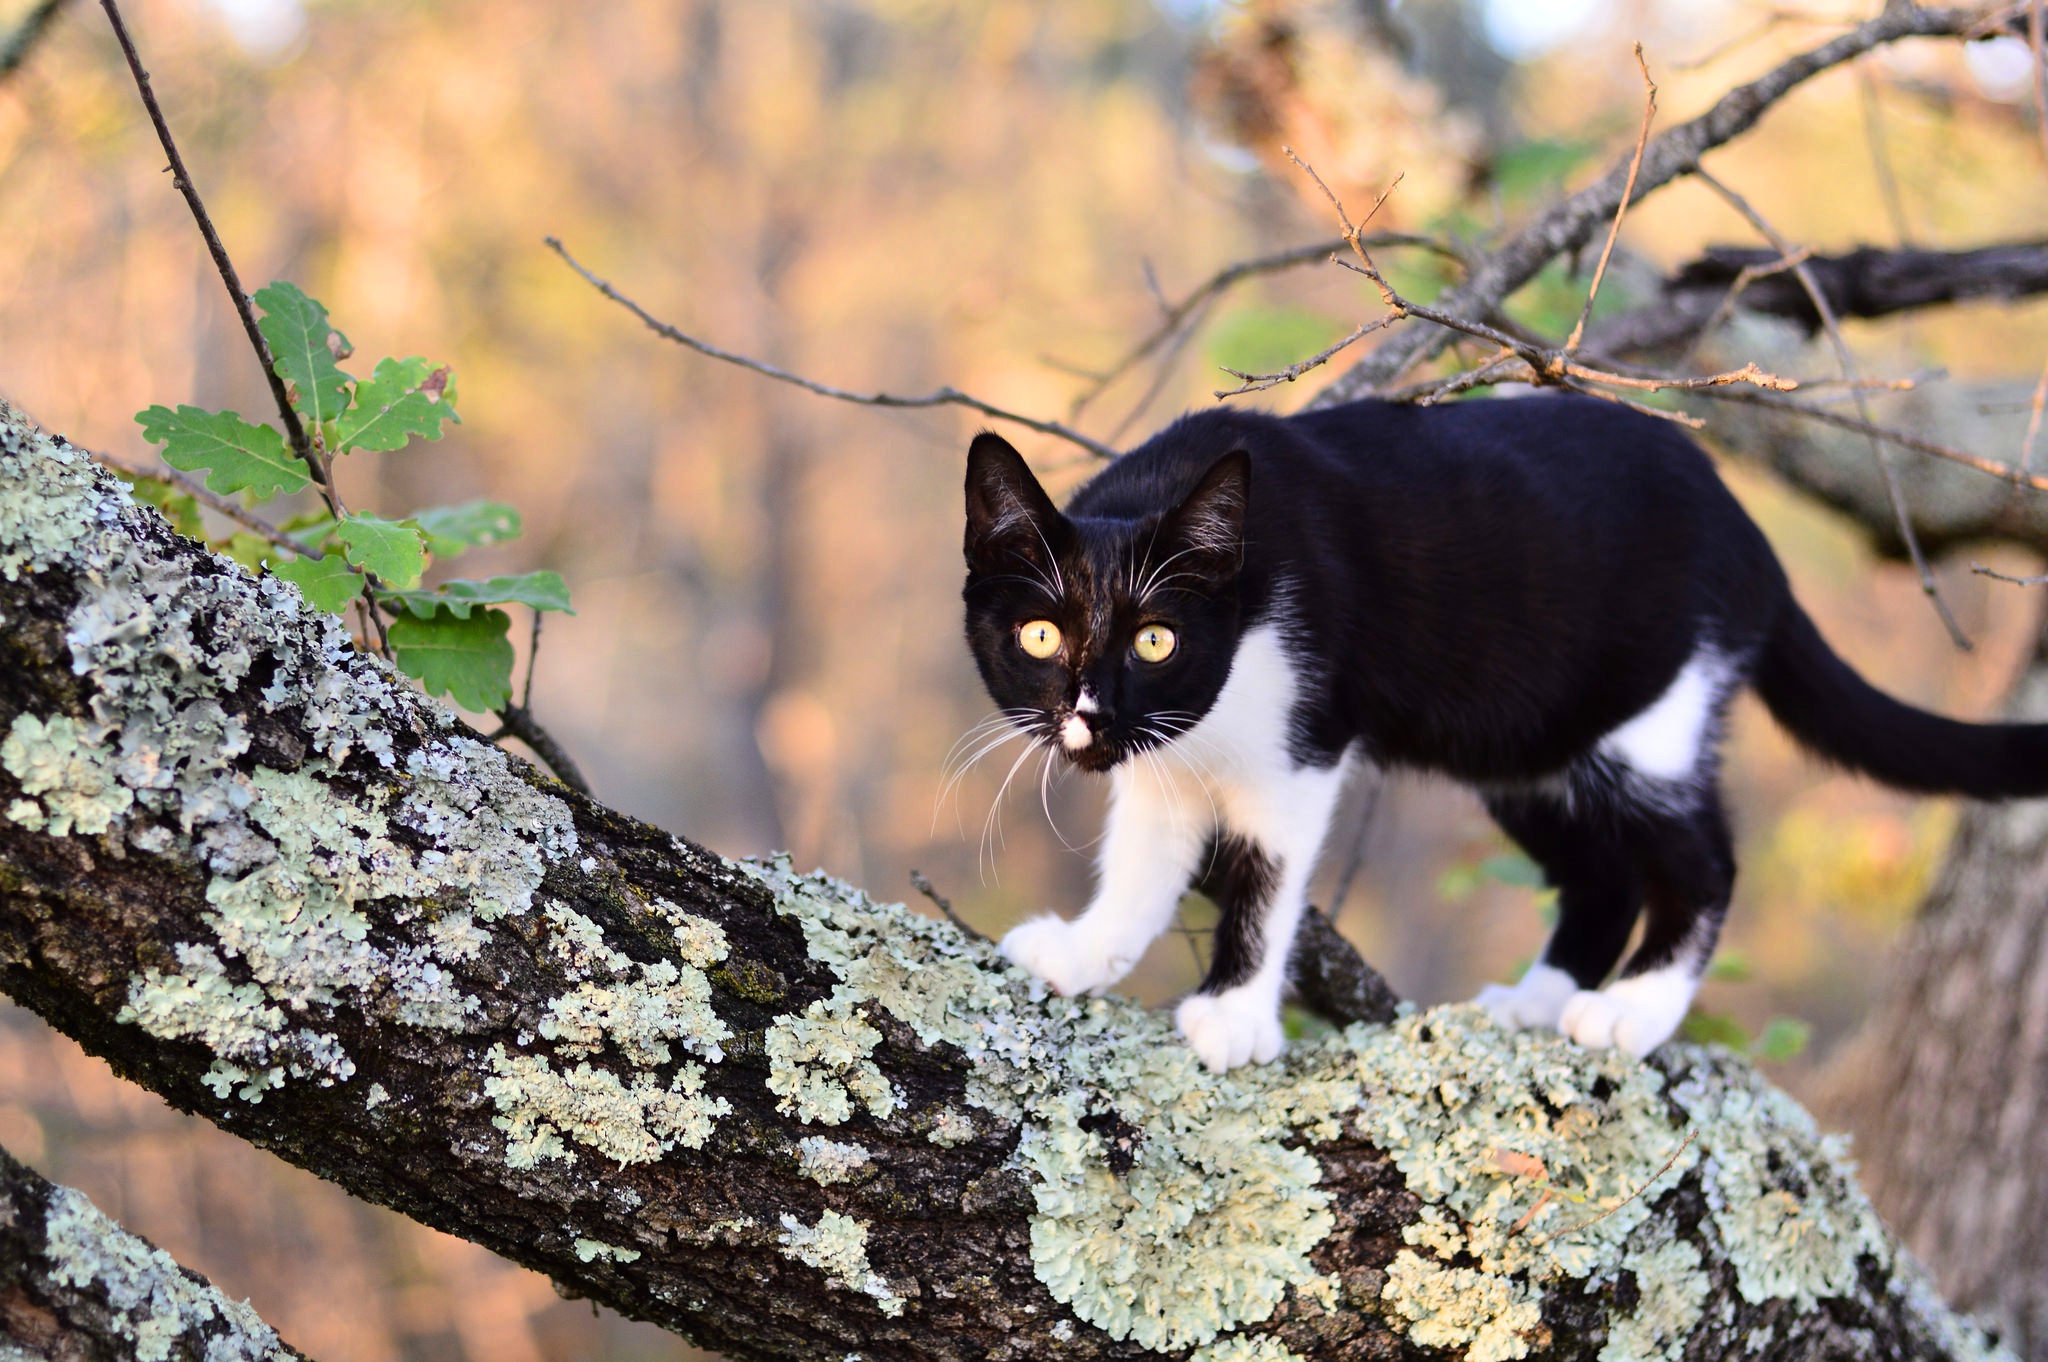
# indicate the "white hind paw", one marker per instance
pixel 1537 1000
pixel 1067 955
pixel 1236 1026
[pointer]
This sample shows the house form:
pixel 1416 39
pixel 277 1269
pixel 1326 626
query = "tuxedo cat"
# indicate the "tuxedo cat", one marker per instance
pixel 1550 599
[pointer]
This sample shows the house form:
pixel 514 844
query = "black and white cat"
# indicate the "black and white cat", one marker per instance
pixel 1551 600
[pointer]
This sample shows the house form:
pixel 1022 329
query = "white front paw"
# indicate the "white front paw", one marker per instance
pixel 1537 1000
pixel 1231 1028
pixel 1636 1015
pixel 1066 955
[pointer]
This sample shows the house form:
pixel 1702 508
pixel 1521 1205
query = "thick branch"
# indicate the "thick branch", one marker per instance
pixel 1572 223
pixel 262 877
pixel 75 1286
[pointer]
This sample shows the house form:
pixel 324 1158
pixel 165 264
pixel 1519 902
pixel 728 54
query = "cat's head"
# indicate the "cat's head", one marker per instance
pixel 1102 637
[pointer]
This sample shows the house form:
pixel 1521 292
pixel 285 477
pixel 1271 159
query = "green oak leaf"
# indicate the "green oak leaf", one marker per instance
pixel 1783 1038
pixel 240 457
pixel 328 582
pixel 452 529
pixel 389 548
pixel 1714 1028
pixel 403 398
pixel 467 659
pixel 541 590
pixel 302 342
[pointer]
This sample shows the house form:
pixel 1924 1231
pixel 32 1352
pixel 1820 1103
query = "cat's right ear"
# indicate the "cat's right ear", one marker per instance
pixel 1008 513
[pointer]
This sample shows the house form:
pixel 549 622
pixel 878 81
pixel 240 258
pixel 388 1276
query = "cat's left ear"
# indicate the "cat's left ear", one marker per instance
pixel 1209 522
pixel 1008 513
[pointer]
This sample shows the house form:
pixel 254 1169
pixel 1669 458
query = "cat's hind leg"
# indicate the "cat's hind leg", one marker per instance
pixel 1263 857
pixel 1689 872
pixel 1158 824
pixel 1592 866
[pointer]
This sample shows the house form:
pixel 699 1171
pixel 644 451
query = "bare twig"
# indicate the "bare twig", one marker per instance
pixel 295 429
pixel 1744 277
pixel 1893 491
pixel 1983 571
pixel 941 397
pixel 1178 319
pixel 532 657
pixel 1881 154
pixel 1648 1183
pixel 519 723
pixel 2034 421
pixel 1891 435
pixel 923 885
pixel 1250 383
pixel 1373 781
pixel 1770 22
pixel 27 34
pixel 2039 45
pixel 1628 190
pixel 1501 271
pixel 212 500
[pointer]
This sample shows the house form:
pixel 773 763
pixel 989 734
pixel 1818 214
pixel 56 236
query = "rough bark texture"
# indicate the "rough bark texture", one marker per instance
pixel 264 879
pixel 75 1287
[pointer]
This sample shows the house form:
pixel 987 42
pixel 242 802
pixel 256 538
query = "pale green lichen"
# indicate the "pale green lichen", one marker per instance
pixel 292 857
pixel 819 1065
pixel 1673 1290
pixel 666 1003
pixel 160 1310
pixel 590 1250
pixel 827 1162
pixel 633 1122
pixel 838 1247
pixel 700 940
pixel 950 1128
pixel 70 769
pixel 1489 1317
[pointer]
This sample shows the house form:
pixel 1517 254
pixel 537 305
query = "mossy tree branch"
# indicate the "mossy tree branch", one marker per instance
pixel 75 1286
pixel 264 879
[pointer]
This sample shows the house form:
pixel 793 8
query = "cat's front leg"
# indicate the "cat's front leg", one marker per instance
pixel 1258 876
pixel 1150 849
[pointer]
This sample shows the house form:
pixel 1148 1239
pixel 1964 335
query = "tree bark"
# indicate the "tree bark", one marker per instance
pixel 263 878
pixel 75 1287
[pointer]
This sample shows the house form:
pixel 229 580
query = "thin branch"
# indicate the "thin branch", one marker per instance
pixel 1628 190
pixel 923 885
pixel 1251 383
pixel 212 500
pixel 1670 154
pixel 1542 364
pixel 2039 46
pixel 519 723
pixel 1648 1183
pixel 1744 277
pixel 1177 319
pixel 1374 781
pixel 532 658
pixel 1770 22
pixel 2034 421
pixel 1881 154
pixel 1983 571
pixel 1893 491
pixel 295 430
pixel 942 397
pixel 1891 435
pixel 26 35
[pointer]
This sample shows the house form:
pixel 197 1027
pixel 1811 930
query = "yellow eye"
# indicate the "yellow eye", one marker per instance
pixel 1154 643
pixel 1040 638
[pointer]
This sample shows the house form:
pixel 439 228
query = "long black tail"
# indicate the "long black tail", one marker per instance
pixel 1825 705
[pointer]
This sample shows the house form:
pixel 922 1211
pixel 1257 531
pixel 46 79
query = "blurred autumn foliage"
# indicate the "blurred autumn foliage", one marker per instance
pixel 900 194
